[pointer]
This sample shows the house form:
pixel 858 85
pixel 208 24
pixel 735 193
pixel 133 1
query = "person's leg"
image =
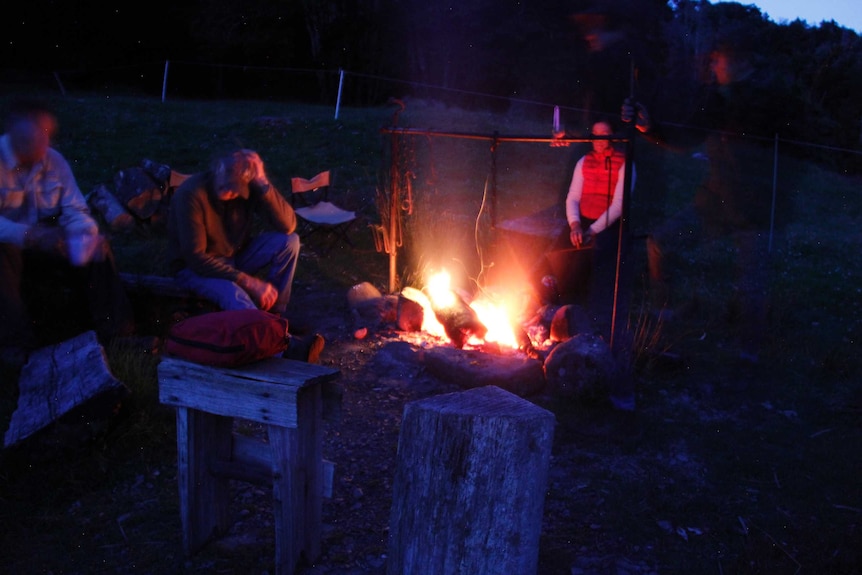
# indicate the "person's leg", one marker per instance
pixel 683 226
pixel 601 299
pixel 109 306
pixel 224 293
pixel 15 326
pixel 752 268
pixel 280 253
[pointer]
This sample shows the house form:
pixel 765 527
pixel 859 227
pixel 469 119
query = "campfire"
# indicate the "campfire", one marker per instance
pixel 487 320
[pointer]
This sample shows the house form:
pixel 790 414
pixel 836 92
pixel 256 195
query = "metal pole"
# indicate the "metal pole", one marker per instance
pixel 59 83
pixel 393 215
pixel 340 86
pixel 622 240
pixel 774 192
pixel 165 81
pixel 494 183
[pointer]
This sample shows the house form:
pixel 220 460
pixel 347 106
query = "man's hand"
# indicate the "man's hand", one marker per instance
pixel 259 177
pixel 263 293
pixel 47 239
pixel 635 112
pixel 558 141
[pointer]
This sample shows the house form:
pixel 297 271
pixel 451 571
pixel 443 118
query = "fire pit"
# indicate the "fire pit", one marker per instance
pixel 494 337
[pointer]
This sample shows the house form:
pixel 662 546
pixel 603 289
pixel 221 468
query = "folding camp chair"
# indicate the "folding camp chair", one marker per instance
pixel 317 213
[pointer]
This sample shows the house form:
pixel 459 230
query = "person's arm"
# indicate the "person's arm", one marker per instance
pixel 74 214
pixel 12 232
pixel 279 212
pixel 573 204
pixel 615 210
pixel 191 211
pixel 277 209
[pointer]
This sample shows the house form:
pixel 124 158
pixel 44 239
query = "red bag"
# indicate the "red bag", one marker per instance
pixel 228 338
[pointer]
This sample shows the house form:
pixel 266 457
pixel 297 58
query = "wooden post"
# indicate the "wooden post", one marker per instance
pixel 469 485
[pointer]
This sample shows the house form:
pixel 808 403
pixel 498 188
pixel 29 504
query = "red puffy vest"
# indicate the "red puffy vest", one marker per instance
pixel 597 195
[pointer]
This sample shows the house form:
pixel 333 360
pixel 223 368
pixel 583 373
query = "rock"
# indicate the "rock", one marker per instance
pixel 362 293
pixel 515 373
pixel 568 321
pixel 378 310
pixel 581 367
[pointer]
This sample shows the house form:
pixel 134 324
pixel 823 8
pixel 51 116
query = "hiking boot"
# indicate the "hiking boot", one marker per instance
pixel 302 349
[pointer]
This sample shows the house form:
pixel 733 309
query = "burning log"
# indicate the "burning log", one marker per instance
pixel 459 320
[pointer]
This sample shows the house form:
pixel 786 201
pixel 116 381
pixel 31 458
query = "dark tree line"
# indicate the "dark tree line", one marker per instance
pixel 539 51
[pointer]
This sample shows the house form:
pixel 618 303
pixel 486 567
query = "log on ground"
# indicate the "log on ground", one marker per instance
pixel 59 379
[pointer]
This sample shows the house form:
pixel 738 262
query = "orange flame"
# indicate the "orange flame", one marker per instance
pixel 493 315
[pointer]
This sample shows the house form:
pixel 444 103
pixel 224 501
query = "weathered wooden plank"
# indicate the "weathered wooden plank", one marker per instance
pixel 58 379
pixel 469 486
pixel 263 391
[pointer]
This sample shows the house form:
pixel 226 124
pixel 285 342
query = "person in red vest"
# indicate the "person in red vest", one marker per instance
pixel 595 199
pixel 594 206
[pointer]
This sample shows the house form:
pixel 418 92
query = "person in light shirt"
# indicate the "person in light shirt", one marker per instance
pixel 46 233
pixel 594 206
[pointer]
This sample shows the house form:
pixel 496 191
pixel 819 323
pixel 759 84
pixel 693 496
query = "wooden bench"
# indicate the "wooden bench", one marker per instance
pixel 285 396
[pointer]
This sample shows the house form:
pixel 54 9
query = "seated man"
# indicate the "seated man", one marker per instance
pixel 46 234
pixel 212 249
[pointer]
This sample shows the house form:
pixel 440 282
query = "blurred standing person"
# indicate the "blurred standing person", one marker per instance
pixel 734 199
pixel 46 231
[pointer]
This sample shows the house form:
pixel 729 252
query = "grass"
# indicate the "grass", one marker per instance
pixel 779 492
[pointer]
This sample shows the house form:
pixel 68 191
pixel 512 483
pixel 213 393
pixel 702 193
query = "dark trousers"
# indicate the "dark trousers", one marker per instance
pixel 44 299
pixel 600 274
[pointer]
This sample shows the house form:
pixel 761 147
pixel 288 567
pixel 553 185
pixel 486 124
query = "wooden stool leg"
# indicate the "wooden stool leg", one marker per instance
pixel 202 438
pixel 297 466
pixel 310 434
pixel 285 485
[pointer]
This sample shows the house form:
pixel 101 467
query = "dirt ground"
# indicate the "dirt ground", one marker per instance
pixel 712 473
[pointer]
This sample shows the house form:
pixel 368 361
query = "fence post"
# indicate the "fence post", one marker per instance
pixel 774 192
pixel 165 80
pixel 340 86
pixel 59 83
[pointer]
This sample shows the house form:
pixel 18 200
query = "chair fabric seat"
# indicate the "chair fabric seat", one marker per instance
pixel 325 213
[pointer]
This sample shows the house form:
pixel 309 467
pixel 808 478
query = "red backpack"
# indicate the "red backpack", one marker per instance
pixel 228 338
